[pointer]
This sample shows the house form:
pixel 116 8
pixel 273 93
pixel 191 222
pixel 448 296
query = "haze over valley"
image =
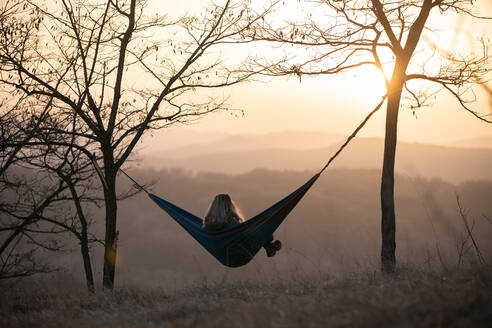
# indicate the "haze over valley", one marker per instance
pixel 456 162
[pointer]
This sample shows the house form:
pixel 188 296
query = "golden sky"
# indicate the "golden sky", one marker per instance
pixel 339 103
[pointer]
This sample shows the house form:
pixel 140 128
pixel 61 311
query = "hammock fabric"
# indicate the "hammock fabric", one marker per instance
pixel 237 245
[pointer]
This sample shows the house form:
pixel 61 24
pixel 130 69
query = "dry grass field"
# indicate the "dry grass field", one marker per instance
pixel 410 298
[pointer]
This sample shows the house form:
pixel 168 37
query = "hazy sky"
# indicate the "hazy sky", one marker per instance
pixel 339 103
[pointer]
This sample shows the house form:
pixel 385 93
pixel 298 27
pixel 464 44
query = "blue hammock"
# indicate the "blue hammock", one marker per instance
pixel 236 246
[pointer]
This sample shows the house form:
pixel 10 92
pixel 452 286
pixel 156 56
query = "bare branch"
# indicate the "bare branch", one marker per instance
pixel 463 215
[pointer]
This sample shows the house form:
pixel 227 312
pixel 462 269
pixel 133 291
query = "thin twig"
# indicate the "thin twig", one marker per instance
pixel 463 215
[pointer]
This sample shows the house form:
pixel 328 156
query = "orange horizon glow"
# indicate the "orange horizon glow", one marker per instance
pixel 338 103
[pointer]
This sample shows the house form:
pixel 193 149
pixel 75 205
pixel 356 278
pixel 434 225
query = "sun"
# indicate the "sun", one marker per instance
pixel 368 81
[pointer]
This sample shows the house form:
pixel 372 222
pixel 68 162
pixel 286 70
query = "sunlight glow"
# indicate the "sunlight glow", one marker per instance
pixel 368 81
pixel 315 103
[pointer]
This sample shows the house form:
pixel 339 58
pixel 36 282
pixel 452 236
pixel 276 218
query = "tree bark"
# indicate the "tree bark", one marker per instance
pixel 84 249
pixel 388 225
pixel 110 238
pixel 84 245
pixel 84 241
pixel 111 214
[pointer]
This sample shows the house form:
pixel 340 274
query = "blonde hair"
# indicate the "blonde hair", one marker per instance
pixel 222 212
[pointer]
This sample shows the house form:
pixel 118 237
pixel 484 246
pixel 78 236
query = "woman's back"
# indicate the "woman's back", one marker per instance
pixel 222 213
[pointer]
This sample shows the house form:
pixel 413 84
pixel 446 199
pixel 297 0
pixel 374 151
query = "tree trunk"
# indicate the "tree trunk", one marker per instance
pixel 403 56
pixel 84 249
pixel 110 237
pixel 111 210
pixel 84 242
pixel 388 226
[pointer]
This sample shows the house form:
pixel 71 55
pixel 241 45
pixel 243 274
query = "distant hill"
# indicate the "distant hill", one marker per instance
pixel 419 160
pixel 477 142
pixel 171 139
pixel 251 142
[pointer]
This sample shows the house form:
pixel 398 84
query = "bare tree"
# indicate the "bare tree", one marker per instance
pixel 18 247
pixel 123 72
pixel 27 195
pixel 24 196
pixel 45 189
pixel 342 35
pixel 49 191
pixel 60 157
pixel 18 220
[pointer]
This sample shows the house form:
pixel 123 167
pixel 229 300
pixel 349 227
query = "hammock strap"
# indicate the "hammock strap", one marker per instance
pixel 135 182
pixel 354 133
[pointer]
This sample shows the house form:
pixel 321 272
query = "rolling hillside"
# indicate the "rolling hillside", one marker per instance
pixel 238 156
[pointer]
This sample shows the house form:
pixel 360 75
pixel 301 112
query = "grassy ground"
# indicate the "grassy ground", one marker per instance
pixel 411 298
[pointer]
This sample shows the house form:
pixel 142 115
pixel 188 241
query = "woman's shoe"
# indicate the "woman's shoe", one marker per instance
pixel 270 249
pixel 277 245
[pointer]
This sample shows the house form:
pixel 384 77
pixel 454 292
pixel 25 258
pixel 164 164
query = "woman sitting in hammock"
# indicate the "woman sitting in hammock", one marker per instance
pixel 224 213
